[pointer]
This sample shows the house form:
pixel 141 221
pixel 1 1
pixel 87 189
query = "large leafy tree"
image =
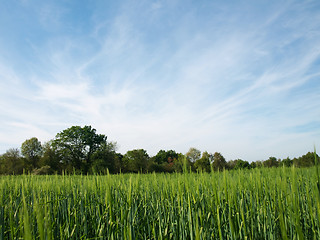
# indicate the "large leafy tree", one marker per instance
pixel 31 149
pixel 76 145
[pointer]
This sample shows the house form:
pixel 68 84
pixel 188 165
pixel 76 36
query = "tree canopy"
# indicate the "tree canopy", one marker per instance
pixel 136 160
pixel 82 150
pixel 31 149
pixel 76 145
pixel 219 162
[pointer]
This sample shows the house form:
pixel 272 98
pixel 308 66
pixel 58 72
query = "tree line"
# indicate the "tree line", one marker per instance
pixel 81 150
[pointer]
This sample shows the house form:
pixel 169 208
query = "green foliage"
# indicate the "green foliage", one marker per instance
pixel 31 149
pixel 193 154
pixel 238 164
pixel 163 161
pixel 271 162
pixel 76 145
pixel 263 203
pixel 81 150
pixel 136 160
pixel 163 156
pixel 105 159
pixel 219 162
pixel 287 162
pixel 50 157
pixel 182 164
pixel 306 160
pixel 203 164
pixel 11 162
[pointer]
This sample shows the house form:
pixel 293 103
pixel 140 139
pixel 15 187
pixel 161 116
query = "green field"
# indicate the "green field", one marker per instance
pixel 276 203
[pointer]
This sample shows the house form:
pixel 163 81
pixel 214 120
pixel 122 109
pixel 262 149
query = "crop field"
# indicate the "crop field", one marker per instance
pixel 280 203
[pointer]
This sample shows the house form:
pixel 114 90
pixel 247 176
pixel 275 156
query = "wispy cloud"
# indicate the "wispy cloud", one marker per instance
pixel 240 79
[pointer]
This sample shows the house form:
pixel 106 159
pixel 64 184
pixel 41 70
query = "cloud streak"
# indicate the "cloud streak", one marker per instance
pixel 239 79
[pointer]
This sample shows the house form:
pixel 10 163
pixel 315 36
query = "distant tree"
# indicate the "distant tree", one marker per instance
pixel 193 154
pixel 256 164
pixel 105 158
pixel 119 166
pixel 203 164
pixel 241 164
pixel 230 164
pixel 306 160
pixel 287 162
pixel 182 164
pixel 163 156
pixel 253 165
pixel 295 162
pixel 271 162
pixel 11 162
pixel 219 162
pixel 152 166
pixel 31 149
pixel 238 164
pixel 2 165
pixel 163 161
pixel 76 145
pixel 136 160
pixel 50 157
pixel 169 165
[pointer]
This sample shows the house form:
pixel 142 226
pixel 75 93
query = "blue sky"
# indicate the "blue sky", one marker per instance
pixel 238 77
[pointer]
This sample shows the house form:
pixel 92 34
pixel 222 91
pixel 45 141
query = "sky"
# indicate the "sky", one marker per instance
pixel 237 77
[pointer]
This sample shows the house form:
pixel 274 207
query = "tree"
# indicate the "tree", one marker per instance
pixel 241 164
pixel 203 164
pixel 163 156
pixel 50 157
pixel 163 161
pixel 182 164
pixel 287 162
pixel 76 145
pixel 193 154
pixel 219 162
pixel 271 162
pixel 231 164
pixel 11 162
pixel 256 164
pixel 31 149
pixel 105 158
pixel 136 160
pixel 306 160
pixel 152 166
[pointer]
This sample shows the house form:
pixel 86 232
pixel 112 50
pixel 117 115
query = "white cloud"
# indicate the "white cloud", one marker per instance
pixel 193 86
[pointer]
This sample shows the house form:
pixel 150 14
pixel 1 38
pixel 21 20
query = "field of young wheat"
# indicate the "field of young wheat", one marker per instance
pixel 280 203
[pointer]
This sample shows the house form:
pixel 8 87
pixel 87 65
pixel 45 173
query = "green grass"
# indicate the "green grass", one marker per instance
pixel 280 203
